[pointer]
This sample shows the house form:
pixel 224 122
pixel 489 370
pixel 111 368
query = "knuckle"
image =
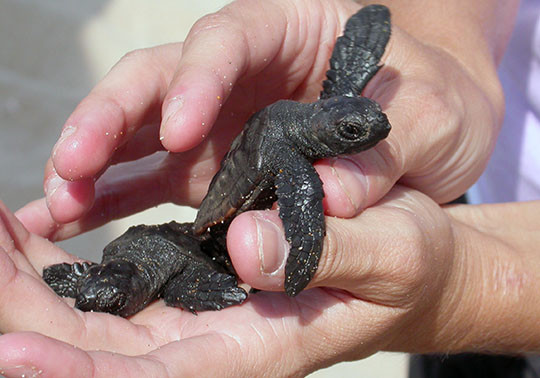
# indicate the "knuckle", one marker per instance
pixel 438 106
pixel 403 257
pixel 220 23
pixel 224 26
pixel 145 64
pixel 389 157
pixel 137 55
pixel 331 261
pixel 341 260
pixel 399 260
pixel 439 118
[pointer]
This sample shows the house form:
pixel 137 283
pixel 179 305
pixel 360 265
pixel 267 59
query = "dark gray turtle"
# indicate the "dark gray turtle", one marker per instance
pixel 145 263
pixel 272 157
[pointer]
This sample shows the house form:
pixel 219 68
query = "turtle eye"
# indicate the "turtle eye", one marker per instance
pixel 349 130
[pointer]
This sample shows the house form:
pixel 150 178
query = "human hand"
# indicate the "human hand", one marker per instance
pixel 407 274
pixel 317 328
pixel 39 327
pixel 234 63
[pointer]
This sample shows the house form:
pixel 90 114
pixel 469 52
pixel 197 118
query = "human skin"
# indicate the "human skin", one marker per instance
pixel 451 279
pixel 445 113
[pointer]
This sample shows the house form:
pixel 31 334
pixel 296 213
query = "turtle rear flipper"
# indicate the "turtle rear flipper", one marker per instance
pixel 356 55
pixel 64 278
pixel 200 289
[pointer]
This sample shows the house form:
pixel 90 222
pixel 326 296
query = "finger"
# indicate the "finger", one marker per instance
pixel 23 251
pixel 219 49
pixel 12 233
pixel 69 200
pixel 23 296
pixel 37 219
pixel 27 252
pixel 65 199
pixel 353 183
pixel 380 255
pixel 262 50
pixel 127 99
pixel 123 190
pixel 32 354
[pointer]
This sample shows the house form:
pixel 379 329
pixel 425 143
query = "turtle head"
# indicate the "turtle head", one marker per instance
pixel 348 125
pixel 113 287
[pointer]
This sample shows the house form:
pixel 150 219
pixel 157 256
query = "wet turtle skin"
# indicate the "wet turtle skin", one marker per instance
pixel 272 158
pixel 143 264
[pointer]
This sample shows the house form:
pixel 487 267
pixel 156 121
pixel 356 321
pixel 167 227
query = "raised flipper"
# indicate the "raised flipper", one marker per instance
pixel 300 193
pixel 356 55
pixel 240 184
pixel 64 278
pixel 197 288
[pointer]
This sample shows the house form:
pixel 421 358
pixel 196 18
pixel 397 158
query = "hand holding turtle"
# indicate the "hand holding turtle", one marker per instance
pixel 211 84
pixel 438 280
pixel 153 339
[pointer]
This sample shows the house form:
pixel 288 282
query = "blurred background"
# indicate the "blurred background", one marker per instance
pixel 51 54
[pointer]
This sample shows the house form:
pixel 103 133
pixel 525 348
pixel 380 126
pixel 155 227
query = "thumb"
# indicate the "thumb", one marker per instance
pixel 384 255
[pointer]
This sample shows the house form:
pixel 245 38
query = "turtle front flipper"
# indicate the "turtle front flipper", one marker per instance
pixel 64 278
pixel 356 55
pixel 240 184
pixel 300 194
pixel 198 288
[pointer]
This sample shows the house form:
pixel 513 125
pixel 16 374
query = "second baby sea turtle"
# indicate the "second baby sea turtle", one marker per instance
pixel 145 263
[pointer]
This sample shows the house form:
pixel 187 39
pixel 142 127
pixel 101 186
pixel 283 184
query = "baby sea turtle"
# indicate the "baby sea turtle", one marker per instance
pixel 272 157
pixel 145 263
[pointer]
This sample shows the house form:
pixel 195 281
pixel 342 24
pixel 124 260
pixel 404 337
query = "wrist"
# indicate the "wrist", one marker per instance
pixel 491 302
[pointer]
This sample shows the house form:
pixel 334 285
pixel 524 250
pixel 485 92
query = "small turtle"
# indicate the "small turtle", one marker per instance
pixel 272 157
pixel 145 263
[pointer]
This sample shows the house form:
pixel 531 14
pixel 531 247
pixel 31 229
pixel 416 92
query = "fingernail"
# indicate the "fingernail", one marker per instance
pixel 170 115
pixel 68 130
pixel 352 180
pixel 272 245
pixel 51 186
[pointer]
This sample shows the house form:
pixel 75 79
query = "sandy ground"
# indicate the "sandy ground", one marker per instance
pixel 52 54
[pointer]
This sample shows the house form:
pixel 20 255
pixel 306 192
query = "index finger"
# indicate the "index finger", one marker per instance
pixel 126 99
pixel 239 40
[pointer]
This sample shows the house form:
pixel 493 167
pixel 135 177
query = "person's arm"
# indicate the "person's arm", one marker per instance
pixel 497 308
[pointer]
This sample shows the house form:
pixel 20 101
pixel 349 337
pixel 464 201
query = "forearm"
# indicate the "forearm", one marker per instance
pixel 494 304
